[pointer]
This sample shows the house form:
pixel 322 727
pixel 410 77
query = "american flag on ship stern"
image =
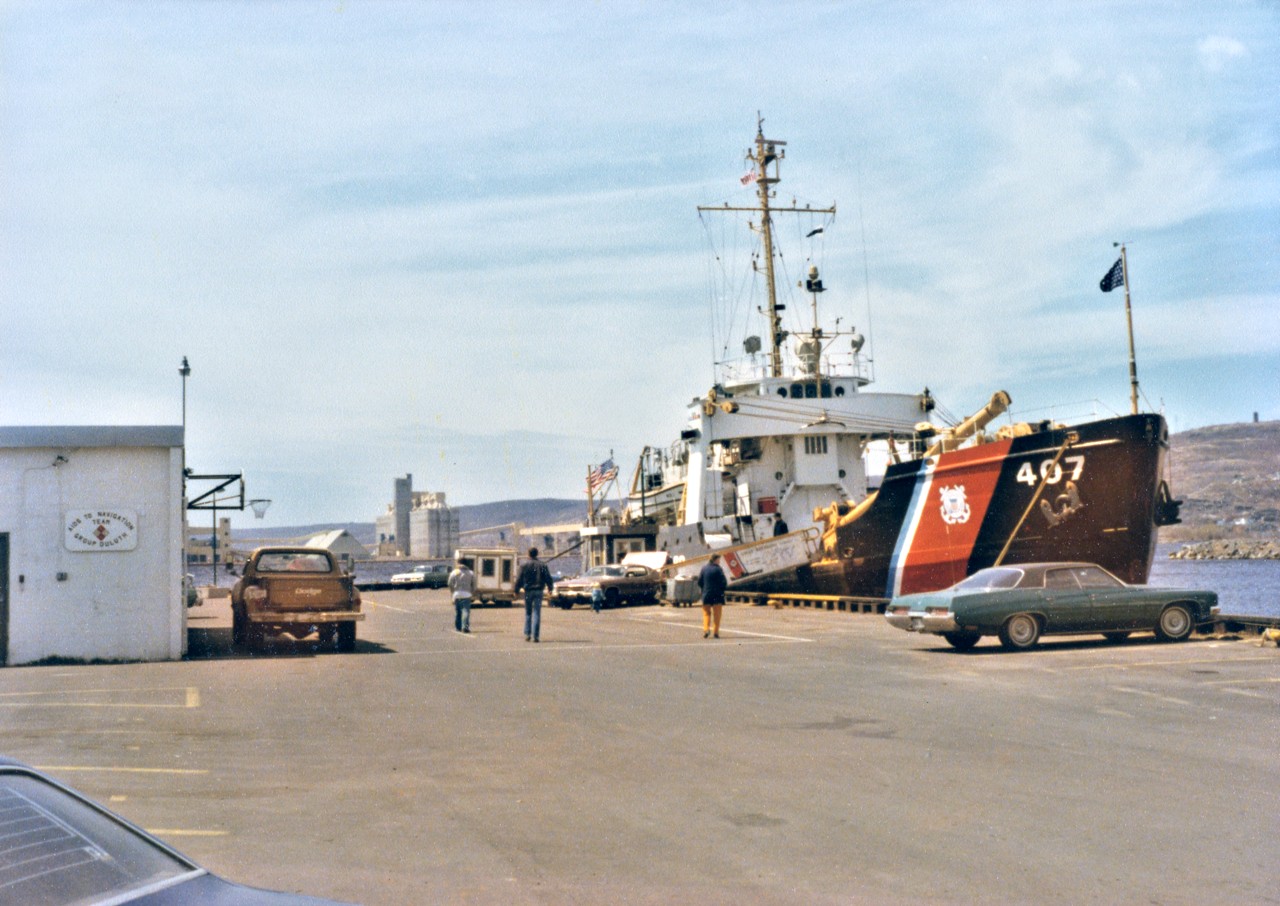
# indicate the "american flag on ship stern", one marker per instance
pixel 602 473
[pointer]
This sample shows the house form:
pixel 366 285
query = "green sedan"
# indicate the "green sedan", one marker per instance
pixel 1021 602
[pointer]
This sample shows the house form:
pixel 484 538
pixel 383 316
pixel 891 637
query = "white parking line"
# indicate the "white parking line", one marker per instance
pixel 698 626
pixel 1172 662
pixel 1249 693
pixel 550 646
pixel 1148 694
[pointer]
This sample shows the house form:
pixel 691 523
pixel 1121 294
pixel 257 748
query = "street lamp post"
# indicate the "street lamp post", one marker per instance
pixel 185 371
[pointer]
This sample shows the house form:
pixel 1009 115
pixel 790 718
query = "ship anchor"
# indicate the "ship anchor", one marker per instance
pixel 1067 503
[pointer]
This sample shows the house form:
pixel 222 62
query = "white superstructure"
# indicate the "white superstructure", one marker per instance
pixel 786 427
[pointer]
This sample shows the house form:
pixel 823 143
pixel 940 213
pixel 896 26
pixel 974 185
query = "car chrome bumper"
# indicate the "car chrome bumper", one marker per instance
pixel 923 622
pixel 286 618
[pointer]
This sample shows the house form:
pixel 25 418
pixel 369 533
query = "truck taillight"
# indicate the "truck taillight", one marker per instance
pixel 255 594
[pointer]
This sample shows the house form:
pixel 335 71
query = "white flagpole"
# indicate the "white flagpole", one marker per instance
pixel 1128 313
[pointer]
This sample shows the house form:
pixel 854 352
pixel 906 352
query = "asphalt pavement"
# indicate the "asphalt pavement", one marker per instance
pixel 804 757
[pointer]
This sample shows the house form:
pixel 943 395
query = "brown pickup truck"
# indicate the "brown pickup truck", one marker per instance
pixel 298 590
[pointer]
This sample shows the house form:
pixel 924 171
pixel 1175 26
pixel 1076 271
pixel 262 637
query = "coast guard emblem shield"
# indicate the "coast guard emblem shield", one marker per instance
pixel 955 508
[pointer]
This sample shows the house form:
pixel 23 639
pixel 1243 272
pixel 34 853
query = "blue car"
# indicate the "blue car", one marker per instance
pixel 58 848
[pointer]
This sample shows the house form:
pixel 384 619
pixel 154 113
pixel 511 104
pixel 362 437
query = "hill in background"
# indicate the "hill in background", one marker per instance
pixel 542 511
pixel 1227 477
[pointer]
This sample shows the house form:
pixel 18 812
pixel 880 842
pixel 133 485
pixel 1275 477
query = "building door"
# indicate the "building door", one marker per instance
pixel 4 598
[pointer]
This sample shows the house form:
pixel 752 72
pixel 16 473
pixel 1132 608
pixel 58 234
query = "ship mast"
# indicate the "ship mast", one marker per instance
pixel 769 151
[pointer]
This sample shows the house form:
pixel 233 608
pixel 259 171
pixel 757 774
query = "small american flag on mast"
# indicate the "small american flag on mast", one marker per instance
pixel 602 473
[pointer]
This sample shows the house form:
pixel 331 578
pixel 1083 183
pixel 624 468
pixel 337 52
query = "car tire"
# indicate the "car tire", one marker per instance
pixel 328 637
pixel 962 640
pixel 237 626
pixel 347 636
pixel 1020 632
pixel 1176 624
pixel 611 598
pixel 1117 636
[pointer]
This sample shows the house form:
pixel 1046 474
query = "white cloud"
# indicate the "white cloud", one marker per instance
pixel 478 219
pixel 1217 52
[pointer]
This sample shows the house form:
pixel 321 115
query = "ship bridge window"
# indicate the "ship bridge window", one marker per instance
pixel 811 390
pixel 816 445
pixel 839 391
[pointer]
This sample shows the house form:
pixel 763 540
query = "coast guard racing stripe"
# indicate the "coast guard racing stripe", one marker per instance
pixel 949 501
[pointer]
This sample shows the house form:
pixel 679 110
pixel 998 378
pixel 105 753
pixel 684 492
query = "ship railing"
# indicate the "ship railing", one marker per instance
pixel 752 369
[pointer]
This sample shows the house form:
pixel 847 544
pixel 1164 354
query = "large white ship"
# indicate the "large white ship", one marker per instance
pixel 783 438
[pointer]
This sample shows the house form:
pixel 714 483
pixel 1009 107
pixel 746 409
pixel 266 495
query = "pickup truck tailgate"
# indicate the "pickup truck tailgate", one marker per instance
pixel 303 593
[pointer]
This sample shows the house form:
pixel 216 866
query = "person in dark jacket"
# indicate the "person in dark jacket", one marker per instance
pixel 534 580
pixel 713 583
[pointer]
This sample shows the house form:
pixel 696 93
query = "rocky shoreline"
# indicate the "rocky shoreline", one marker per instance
pixel 1228 550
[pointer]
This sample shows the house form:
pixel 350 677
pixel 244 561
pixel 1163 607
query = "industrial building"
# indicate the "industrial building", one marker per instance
pixel 417 524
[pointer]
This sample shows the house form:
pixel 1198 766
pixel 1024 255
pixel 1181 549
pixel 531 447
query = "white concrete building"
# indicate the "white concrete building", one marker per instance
pixel 341 543
pixel 91 537
pixel 433 527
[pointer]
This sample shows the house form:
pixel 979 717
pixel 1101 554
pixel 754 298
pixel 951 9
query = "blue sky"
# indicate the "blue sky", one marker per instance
pixel 460 240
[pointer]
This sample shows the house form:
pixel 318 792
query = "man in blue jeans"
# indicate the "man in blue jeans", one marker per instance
pixel 534 579
pixel 461 582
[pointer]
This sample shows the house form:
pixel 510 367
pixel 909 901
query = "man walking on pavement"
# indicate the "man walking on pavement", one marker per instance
pixel 533 580
pixel 461 582
pixel 713 583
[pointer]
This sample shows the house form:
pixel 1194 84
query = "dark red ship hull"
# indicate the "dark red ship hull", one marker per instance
pixel 939 519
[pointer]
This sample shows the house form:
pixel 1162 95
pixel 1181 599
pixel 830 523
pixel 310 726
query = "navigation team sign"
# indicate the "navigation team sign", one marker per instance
pixel 101 530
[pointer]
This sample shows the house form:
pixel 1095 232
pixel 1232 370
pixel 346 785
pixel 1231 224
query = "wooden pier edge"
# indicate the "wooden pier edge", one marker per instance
pixel 816 602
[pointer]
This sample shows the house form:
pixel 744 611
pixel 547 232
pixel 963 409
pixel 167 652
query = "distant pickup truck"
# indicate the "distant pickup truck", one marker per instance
pixel 618 584
pixel 298 590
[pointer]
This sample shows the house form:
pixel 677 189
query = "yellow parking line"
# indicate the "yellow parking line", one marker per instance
pixel 98 691
pixel 178 832
pixel 51 768
pixel 89 705
pixel 191 698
